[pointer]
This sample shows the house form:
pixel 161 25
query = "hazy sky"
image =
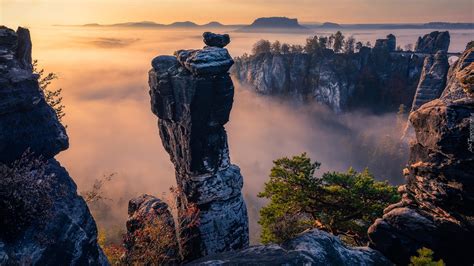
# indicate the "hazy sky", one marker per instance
pixel 47 12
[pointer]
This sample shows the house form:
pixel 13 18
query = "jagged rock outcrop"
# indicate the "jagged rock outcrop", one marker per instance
pixel 432 80
pixel 437 206
pixel 311 248
pixel 460 75
pixel 371 79
pixel 192 95
pixel 377 80
pixel 433 42
pixel 431 85
pixel 150 232
pixel 27 120
pixel 67 235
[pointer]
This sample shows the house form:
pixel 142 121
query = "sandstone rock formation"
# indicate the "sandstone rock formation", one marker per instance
pixel 431 85
pixel 68 233
pixel 311 248
pixel 432 80
pixel 216 40
pixel 433 42
pixel 192 95
pixel 27 120
pixel 371 79
pixel 150 232
pixel 437 206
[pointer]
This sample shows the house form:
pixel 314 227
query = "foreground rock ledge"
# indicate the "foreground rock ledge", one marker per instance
pixel 311 248
pixel 192 95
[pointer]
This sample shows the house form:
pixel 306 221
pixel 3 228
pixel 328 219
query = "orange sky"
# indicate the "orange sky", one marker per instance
pixel 47 12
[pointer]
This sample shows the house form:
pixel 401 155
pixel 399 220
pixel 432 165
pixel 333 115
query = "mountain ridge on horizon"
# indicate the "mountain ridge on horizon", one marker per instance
pixel 262 23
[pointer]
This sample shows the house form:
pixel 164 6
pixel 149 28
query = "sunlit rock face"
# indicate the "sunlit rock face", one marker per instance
pixel 374 79
pixel 68 233
pixel 431 85
pixel 437 206
pixel 433 42
pixel 432 80
pixel 311 248
pixel 192 95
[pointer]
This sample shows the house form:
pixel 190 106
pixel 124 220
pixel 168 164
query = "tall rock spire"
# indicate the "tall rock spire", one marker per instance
pixel 192 95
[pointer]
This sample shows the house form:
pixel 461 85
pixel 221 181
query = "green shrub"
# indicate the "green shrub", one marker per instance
pixel 425 258
pixel 343 204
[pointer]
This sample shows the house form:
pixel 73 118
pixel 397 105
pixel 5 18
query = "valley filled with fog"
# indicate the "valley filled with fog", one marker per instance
pixel 103 72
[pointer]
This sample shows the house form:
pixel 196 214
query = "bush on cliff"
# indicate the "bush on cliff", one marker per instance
pixel 24 194
pixel 52 97
pixel 343 204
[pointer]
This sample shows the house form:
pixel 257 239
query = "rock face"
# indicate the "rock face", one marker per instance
pixel 216 40
pixel 311 248
pixel 192 95
pixel 26 121
pixel 372 79
pixel 433 42
pixel 432 80
pixel 144 213
pixel 437 206
pixel 431 85
pixel 207 61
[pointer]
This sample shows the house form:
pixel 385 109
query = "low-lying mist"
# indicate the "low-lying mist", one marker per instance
pixel 103 73
pixel 262 129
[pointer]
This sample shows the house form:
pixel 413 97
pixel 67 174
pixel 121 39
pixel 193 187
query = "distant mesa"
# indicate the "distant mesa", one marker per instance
pixel 184 24
pixel 213 24
pixel 330 25
pixel 273 24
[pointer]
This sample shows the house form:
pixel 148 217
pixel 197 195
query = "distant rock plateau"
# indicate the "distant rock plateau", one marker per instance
pixel 377 79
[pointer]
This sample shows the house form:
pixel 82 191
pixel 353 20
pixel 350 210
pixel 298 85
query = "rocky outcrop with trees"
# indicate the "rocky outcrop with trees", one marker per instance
pixel 437 207
pixel 43 219
pixel 339 72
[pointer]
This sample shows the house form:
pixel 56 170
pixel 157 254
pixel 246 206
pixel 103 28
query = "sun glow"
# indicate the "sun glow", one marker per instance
pixel 48 12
